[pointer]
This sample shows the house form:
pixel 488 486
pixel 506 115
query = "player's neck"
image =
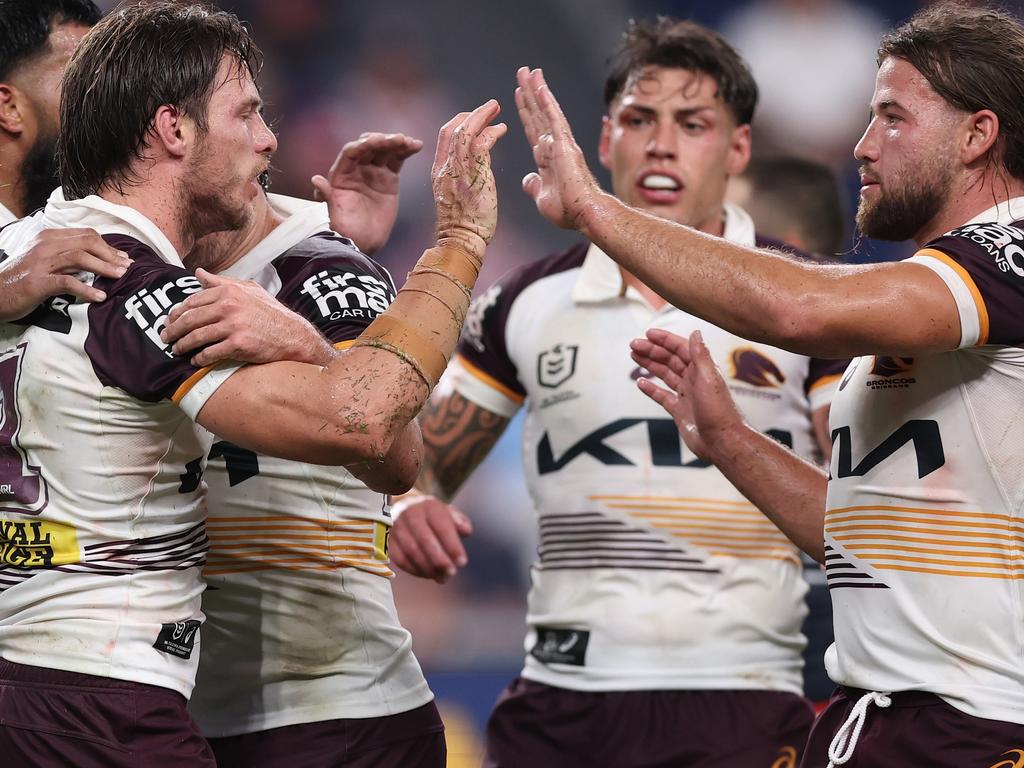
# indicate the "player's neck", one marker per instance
pixel 965 205
pixel 237 244
pixel 12 190
pixel 160 203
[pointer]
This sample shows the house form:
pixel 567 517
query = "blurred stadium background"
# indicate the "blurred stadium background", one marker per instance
pixel 335 68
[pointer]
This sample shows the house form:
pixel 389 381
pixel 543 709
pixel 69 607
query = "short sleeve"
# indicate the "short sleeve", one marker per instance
pixel 123 341
pixel 983 267
pixel 482 371
pixel 822 382
pixel 334 286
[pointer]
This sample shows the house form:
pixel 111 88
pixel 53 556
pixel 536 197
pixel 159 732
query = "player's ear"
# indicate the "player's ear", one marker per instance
pixel 978 136
pixel 172 131
pixel 604 143
pixel 12 105
pixel 739 150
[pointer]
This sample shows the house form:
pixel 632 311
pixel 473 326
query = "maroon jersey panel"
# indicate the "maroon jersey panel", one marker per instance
pixel 124 342
pixel 332 284
pixel 993 255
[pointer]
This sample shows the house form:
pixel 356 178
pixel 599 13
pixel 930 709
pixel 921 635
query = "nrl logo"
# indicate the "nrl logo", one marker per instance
pixel 556 365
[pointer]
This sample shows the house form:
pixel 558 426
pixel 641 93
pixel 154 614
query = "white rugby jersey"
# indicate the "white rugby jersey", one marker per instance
pixel 6 215
pixel 654 572
pixel 923 530
pixel 101 522
pixel 301 624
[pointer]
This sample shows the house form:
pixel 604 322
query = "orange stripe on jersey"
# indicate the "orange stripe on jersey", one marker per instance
pixel 789 557
pixel 824 381
pixel 869 549
pixel 343 345
pixel 726 526
pixel 186 386
pixel 878 559
pixel 925 511
pixel 490 381
pixel 964 275
pixel 868 530
pixel 913 540
pixel 758 541
pixel 919 521
pixel 940 572
pixel 750 523
pixel 681 499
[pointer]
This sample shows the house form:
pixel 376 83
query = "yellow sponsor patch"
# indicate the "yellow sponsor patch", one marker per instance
pixel 380 541
pixel 37 544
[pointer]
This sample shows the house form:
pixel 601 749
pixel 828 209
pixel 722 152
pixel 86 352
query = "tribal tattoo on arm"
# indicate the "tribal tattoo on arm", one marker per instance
pixel 457 436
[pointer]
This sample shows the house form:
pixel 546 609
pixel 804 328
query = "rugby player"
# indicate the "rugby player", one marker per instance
pixel 102 519
pixel 918 522
pixel 665 613
pixel 304 659
pixel 37 38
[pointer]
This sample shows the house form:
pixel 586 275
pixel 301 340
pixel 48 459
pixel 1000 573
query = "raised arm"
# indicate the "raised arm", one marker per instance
pixel 354 408
pixel 813 309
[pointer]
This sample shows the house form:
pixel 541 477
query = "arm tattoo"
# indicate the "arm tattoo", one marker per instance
pixel 457 435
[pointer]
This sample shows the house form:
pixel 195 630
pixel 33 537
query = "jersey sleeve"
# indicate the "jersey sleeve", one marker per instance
pixel 482 371
pixel 822 382
pixel 123 341
pixel 983 267
pixel 337 288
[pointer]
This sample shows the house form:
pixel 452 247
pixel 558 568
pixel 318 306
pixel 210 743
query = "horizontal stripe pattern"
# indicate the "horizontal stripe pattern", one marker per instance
pixel 170 552
pixel 253 543
pixel 593 540
pixel 842 574
pixel 945 542
pixel 720 528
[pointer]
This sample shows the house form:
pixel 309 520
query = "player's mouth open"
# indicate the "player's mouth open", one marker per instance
pixel 660 187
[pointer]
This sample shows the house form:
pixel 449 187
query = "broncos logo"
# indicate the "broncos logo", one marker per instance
pixel 892 366
pixel 1012 763
pixel 752 367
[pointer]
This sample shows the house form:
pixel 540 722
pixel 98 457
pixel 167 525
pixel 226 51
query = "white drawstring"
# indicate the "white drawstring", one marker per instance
pixel 845 741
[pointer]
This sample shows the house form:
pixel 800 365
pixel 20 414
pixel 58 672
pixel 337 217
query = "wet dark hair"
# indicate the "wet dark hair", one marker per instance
pixel 667 42
pixel 25 30
pixel 974 59
pixel 142 56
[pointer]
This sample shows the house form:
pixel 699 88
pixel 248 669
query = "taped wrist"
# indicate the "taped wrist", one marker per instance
pixel 446 275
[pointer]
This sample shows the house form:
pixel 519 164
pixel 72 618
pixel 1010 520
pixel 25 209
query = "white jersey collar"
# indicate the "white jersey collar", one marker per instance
pixel 600 278
pixel 6 215
pixel 108 219
pixel 302 219
pixel 1004 213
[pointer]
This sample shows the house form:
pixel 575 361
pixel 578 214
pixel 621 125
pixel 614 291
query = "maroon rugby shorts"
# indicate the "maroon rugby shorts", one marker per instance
pixel 540 726
pixel 55 719
pixel 413 739
pixel 915 730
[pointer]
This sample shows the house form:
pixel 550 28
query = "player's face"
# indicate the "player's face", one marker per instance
pixel 40 82
pixel 907 155
pixel 671 145
pixel 227 161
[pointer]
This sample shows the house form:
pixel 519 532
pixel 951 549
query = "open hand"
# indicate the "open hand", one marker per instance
pixel 361 189
pixel 49 266
pixel 563 186
pixel 464 191
pixel 697 396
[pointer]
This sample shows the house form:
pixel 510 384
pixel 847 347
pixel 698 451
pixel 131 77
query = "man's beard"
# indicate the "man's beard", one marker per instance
pixel 206 208
pixel 907 206
pixel 39 173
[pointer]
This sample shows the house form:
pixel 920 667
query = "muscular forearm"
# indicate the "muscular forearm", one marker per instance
pixel 814 309
pixel 787 489
pixel 457 436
